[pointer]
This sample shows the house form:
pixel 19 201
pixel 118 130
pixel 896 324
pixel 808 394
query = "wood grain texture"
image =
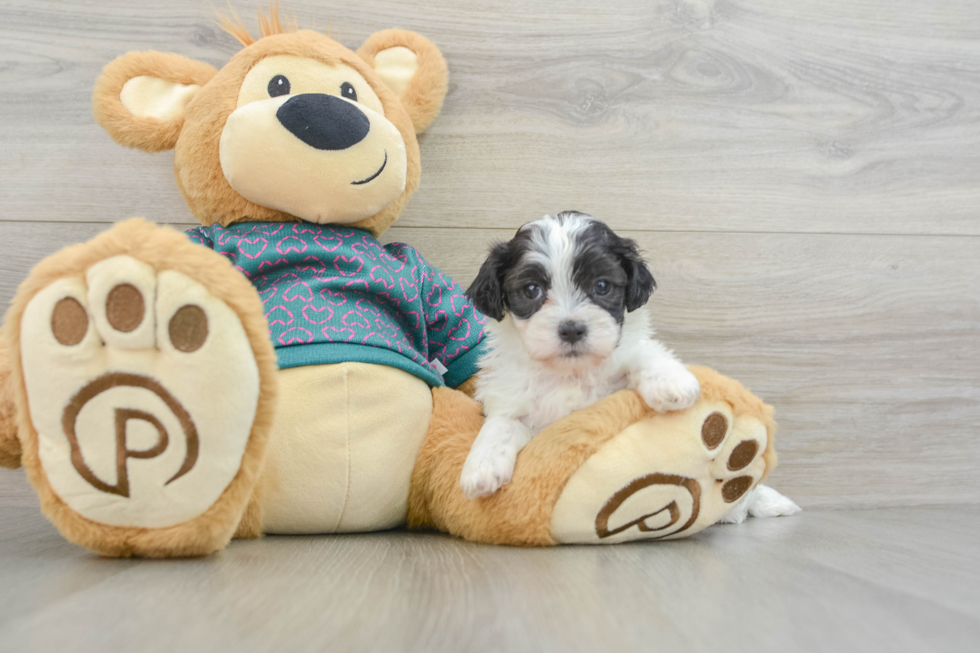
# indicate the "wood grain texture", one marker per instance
pixel 890 580
pixel 866 345
pixel 804 177
pixel 695 126
pixel 679 115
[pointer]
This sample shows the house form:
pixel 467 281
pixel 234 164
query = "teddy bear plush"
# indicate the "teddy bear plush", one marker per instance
pixel 278 369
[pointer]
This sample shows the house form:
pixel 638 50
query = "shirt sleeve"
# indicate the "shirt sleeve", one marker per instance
pixel 200 236
pixel 454 328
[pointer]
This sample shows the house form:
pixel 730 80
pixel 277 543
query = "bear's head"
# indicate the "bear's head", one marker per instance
pixel 295 127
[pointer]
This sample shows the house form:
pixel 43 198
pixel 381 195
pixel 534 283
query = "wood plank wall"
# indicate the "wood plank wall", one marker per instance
pixel 803 175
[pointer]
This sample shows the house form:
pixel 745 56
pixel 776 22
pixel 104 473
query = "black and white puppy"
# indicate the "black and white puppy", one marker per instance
pixel 565 332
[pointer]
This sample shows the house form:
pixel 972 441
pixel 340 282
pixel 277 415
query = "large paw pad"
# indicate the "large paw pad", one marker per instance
pixel 666 476
pixel 142 388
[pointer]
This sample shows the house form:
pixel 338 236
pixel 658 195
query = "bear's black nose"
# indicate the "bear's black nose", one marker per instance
pixel 324 121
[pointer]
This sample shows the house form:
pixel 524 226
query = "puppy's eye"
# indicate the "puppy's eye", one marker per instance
pixel 602 287
pixel 347 91
pixel 532 291
pixel 278 85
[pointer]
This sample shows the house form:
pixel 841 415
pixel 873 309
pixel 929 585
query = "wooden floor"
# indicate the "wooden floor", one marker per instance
pixel 805 177
pixel 899 579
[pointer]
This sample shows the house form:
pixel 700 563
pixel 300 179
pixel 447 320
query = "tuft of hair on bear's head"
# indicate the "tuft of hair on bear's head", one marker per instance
pixel 268 24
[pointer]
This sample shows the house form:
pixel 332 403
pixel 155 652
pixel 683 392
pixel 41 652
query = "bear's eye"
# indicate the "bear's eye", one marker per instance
pixel 347 91
pixel 278 85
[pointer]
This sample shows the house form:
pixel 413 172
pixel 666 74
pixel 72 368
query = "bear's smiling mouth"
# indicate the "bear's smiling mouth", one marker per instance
pixel 375 175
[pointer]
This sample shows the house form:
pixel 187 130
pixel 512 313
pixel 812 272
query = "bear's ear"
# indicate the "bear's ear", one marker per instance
pixel 413 68
pixel 141 97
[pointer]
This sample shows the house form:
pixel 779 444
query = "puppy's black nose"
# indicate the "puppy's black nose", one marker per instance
pixel 571 331
pixel 324 121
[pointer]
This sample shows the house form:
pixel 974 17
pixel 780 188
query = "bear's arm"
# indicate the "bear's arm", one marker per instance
pixel 453 326
pixel 201 236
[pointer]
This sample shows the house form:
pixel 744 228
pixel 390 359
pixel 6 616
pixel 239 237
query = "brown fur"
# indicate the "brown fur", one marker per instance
pixel 268 25
pixel 715 387
pixel 9 442
pixel 520 512
pixel 468 387
pixel 250 526
pixel 196 138
pixel 149 134
pixel 196 162
pixel 162 248
pixel 426 91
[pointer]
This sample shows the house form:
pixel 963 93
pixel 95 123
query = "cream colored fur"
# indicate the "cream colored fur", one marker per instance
pixel 150 97
pixel 217 385
pixel 161 249
pixel 342 448
pixel 196 132
pixel 522 511
pixel 165 111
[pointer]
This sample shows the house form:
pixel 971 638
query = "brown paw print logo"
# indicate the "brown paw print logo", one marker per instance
pixel 674 516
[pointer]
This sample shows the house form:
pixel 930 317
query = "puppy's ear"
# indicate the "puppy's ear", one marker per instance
pixel 413 68
pixel 640 283
pixel 141 97
pixel 487 290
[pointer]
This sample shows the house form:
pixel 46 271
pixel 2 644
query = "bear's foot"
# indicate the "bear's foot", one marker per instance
pixel 9 442
pixel 613 472
pixel 147 382
pixel 664 476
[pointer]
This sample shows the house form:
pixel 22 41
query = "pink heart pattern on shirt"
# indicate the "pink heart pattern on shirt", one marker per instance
pixel 347 287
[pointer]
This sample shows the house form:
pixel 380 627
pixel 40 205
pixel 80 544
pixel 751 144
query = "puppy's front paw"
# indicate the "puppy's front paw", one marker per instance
pixel 487 470
pixel 669 389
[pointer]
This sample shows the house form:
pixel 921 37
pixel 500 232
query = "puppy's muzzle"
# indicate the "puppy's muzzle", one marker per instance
pixel 571 331
pixel 323 121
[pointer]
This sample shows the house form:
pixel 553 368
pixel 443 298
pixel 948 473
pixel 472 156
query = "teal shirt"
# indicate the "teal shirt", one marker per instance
pixel 336 294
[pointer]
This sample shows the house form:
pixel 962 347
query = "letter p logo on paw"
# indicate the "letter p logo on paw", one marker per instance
pixel 123 417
